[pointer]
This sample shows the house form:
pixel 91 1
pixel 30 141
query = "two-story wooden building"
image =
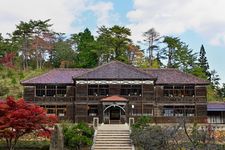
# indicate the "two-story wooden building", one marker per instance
pixel 116 91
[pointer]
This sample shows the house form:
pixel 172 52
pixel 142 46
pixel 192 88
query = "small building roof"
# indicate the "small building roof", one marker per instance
pixel 56 76
pixel 174 76
pixel 216 106
pixel 114 98
pixel 115 70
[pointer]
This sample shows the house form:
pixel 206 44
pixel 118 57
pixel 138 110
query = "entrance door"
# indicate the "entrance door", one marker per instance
pixel 114 114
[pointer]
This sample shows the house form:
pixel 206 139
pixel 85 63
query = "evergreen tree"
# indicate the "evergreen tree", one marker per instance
pixel 113 43
pixel 86 48
pixel 203 63
pixel 151 36
pixel 173 44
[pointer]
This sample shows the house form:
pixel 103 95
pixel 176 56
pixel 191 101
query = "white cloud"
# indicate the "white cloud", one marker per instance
pixel 206 17
pixel 66 15
pixel 102 11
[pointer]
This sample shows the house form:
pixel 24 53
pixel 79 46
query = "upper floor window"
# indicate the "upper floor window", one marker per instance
pixel 168 91
pixel 40 90
pixel 131 90
pixel 179 90
pixel 98 90
pixel 50 90
pixel 189 90
pixel 61 90
pixel 103 89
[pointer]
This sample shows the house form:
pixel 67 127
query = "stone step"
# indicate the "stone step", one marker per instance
pixel 112 132
pixel 113 137
pixel 113 142
pixel 115 148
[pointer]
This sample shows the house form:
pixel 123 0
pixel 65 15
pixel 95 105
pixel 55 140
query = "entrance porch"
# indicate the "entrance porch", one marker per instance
pixel 114 110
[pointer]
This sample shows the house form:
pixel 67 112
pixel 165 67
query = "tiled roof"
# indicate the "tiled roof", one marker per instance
pixel 216 107
pixel 114 98
pixel 56 76
pixel 174 76
pixel 115 70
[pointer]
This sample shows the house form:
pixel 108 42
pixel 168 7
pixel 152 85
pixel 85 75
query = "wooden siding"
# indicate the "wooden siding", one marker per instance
pixel 152 97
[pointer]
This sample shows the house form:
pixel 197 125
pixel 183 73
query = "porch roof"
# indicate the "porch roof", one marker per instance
pixel 114 98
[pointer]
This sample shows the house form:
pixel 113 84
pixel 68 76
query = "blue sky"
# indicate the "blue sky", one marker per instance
pixel 196 22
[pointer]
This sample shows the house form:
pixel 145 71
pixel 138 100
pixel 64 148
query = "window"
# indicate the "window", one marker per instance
pixel 103 89
pixel 178 111
pixel 61 90
pixel 178 91
pixel 93 90
pixel 40 90
pixel 96 90
pixel 189 90
pixel 168 91
pixel 59 110
pixel 189 110
pixel 92 110
pixel 130 90
pixel 148 110
pixel 51 90
pixel 168 111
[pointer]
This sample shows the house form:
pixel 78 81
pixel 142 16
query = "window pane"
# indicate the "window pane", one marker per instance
pixel 51 90
pixel 61 90
pixel 40 90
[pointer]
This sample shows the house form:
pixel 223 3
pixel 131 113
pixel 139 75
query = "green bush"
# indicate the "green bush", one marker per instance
pixel 142 122
pixel 78 135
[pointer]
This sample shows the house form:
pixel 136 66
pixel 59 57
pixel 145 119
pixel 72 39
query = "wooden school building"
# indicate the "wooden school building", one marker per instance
pixel 115 92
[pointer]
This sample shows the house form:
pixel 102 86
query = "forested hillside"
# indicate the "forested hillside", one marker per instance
pixel 34 48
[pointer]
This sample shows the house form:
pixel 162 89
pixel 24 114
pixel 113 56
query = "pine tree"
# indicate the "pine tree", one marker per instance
pixel 203 63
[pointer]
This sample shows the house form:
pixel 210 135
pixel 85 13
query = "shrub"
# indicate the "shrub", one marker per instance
pixel 77 135
pixel 149 138
pixel 142 122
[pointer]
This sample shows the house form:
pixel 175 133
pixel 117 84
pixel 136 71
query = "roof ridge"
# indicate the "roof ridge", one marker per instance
pixel 135 68
pixel 124 64
pixel 94 69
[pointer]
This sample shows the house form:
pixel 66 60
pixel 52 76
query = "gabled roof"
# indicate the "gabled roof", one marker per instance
pixel 174 76
pixel 56 76
pixel 216 106
pixel 115 70
pixel 114 98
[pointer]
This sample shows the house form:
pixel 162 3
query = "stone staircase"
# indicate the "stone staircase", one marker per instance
pixel 113 137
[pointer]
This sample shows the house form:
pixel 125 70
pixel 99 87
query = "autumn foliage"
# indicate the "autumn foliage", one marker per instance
pixel 18 118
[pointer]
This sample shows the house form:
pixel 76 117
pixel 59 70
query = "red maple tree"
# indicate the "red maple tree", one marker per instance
pixel 7 60
pixel 18 118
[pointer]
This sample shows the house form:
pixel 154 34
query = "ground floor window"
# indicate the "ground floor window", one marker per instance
pixel 178 111
pixel 148 110
pixel 59 110
pixel 92 110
